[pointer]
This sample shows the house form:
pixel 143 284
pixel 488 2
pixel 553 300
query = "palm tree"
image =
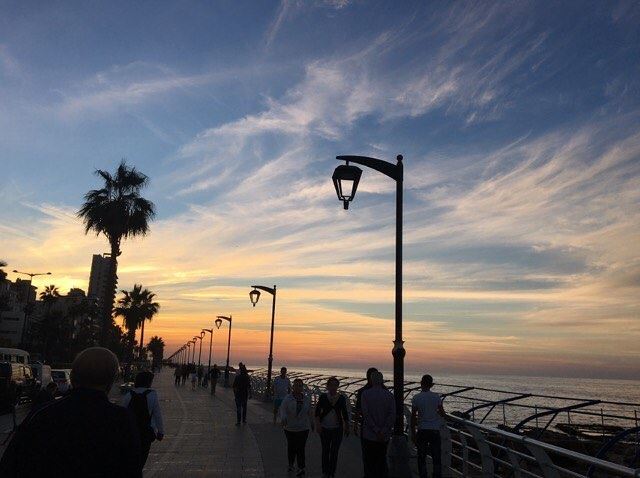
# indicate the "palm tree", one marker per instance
pixel 156 347
pixel 50 295
pixel 136 307
pixel 117 211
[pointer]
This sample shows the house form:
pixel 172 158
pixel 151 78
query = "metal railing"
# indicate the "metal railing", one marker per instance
pixel 471 447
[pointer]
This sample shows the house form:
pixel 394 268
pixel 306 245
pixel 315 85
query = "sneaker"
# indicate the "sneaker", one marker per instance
pixel 237 424
pixel 290 469
pixel 301 472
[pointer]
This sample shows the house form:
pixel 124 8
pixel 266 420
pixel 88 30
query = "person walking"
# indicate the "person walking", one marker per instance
pixel 280 389
pixel 143 402
pixel 427 415
pixel 185 373
pixel 241 392
pixel 200 374
pixel 177 373
pixel 357 411
pixel 193 377
pixel 215 374
pixel 378 415
pixel 297 417
pixel 332 421
pixel 83 432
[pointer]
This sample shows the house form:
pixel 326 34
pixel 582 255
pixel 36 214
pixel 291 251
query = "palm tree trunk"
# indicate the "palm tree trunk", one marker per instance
pixel 142 337
pixel 132 344
pixel 109 293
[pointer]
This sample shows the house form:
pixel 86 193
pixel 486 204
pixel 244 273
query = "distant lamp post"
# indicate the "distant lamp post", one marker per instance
pixel 218 324
pixel 346 179
pixel 188 344
pixel 254 296
pixel 204 332
pixel 196 338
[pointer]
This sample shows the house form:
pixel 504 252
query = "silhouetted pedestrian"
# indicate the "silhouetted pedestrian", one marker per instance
pixel 426 420
pixel 332 421
pixel 378 416
pixel 200 373
pixel 185 373
pixel 83 432
pixel 177 373
pixel 193 377
pixel 214 374
pixel 281 388
pixel 241 391
pixel 296 416
pixel 357 409
pixel 143 402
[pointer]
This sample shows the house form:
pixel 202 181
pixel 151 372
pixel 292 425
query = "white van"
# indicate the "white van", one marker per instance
pixel 14 355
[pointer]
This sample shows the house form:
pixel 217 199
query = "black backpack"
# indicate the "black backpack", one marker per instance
pixel 138 405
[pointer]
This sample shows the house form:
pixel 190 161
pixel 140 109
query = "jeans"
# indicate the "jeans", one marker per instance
pixel 241 409
pixel 428 442
pixel 330 439
pixel 177 380
pixel 296 443
pixel 374 457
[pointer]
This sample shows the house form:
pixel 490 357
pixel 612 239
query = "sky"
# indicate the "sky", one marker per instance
pixel 519 123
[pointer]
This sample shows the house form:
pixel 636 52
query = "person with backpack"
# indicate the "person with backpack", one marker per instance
pixel 143 402
pixel 332 421
pixel 84 432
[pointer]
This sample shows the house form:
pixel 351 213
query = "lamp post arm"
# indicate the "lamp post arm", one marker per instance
pixel 394 171
pixel 270 290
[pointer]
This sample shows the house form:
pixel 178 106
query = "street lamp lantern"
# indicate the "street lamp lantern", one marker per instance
pixel 346 179
pixel 218 323
pixel 254 295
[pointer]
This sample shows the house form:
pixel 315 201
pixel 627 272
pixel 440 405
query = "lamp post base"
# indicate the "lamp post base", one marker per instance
pixel 399 457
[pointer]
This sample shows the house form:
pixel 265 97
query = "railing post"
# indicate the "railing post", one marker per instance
pixel 543 461
pixel 447 448
pixel 486 458
pixel 465 453
pixel 515 463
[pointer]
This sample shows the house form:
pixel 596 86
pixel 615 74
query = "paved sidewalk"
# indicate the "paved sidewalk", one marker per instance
pixel 203 440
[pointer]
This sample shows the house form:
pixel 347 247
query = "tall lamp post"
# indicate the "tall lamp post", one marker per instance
pixel 31 276
pixel 346 179
pixel 254 296
pixel 218 322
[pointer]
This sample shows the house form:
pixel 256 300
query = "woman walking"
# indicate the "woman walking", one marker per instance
pixel 296 417
pixel 332 421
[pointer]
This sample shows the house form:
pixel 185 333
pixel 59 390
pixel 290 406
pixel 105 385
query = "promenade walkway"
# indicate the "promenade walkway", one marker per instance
pixel 203 440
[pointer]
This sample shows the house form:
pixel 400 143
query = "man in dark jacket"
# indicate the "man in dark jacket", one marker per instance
pixel 83 434
pixel 241 391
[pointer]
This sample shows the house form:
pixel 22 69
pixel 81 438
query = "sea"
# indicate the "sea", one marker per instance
pixel 619 400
